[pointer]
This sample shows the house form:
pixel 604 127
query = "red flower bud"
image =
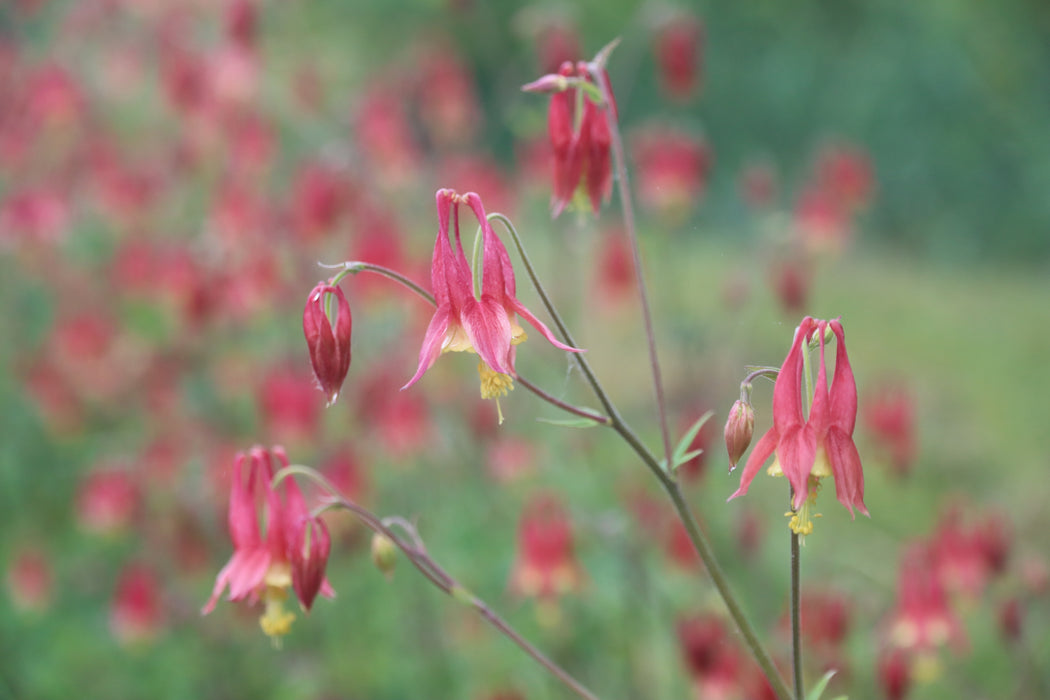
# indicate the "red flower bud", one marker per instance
pixel 739 428
pixel 328 342
pixel 309 558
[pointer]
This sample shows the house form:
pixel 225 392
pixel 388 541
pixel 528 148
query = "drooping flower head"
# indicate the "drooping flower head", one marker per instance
pixel 580 139
pixel 810 448
pixel 472 315
pixel 546 567
pixel 292 555
pixel 328 338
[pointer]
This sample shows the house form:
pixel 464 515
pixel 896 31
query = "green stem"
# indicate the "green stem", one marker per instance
pixel 747 631
pixel 352 267
pixel 796 615
pixel 796 553
pixel 568 407
pixel 620 166
pixel 670 485
pixel 416 553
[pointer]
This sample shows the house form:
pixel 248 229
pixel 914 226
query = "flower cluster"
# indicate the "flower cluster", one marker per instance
pixel 293 552
pixel 809 449
pixel 579 136
pixel 465 320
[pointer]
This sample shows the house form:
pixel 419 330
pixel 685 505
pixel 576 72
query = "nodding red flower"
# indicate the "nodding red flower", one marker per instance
pixel 546 565
pixel 966 556
pixel 293 554
pixel 672 168
pixel 486 324
pixel 845 173
pixel 714 665
pixel 580 140
pixel 679 44
pixel 894 674
pixel 808 449
pixel 328 339
pixel 136 613
pixel 889 417
pixel 924 619
pixel 30 578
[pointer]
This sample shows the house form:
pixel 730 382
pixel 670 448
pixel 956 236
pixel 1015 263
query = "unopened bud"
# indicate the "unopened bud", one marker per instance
pixel 739 428
pixel 550 83
pixel 328 339
pixel 309 556
pixel 384 554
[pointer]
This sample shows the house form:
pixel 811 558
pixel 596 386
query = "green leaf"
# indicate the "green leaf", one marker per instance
pixel 680 456
pixel 821 685
pixel 571 422
pixel 681 459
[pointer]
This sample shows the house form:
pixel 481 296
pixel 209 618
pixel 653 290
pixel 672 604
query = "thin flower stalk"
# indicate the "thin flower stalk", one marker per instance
pixel 413 547
pixel 670 485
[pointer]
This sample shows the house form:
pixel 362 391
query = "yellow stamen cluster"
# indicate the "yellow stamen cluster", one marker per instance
pixel 493 384
pixel 276 621
pixel 801 522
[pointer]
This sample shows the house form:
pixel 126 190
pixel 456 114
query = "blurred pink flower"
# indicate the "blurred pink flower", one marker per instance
pixel 966 556
pixel 672 168
pixel 923 620
pixel 557 41
pixel 289 406
pixel 292 555
pixel 758 185
pixel 894 674
pixel 136 613
pixel 107 501
pixel 30 579
pixel 845 172
pixel 823 225
pixel 581 142
pixel 35 216
pixel 790 278
pixel 448 100
pixel 714 664
pixel 383 133
pixel 889 416
pixel 319 198
pixel 679 54
pixel 546 565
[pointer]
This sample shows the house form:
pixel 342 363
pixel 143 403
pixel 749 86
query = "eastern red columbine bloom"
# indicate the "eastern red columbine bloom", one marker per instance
pixel 30 578
pixel 136 613
pixel 486 324
pixel 679 48
pixel 293 554
pixel 580 140
pixel 672 170
pixel 328 337
pixel 889 417
pixel 966 556
pixel 923 621
pixel 546 565
pixel 809 449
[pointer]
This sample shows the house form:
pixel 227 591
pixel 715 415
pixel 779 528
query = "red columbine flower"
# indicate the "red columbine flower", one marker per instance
pixel 328 340
pixel 822 445
pixel 293 553
pixel 546 565
pixel 485 324
pixel 580 140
